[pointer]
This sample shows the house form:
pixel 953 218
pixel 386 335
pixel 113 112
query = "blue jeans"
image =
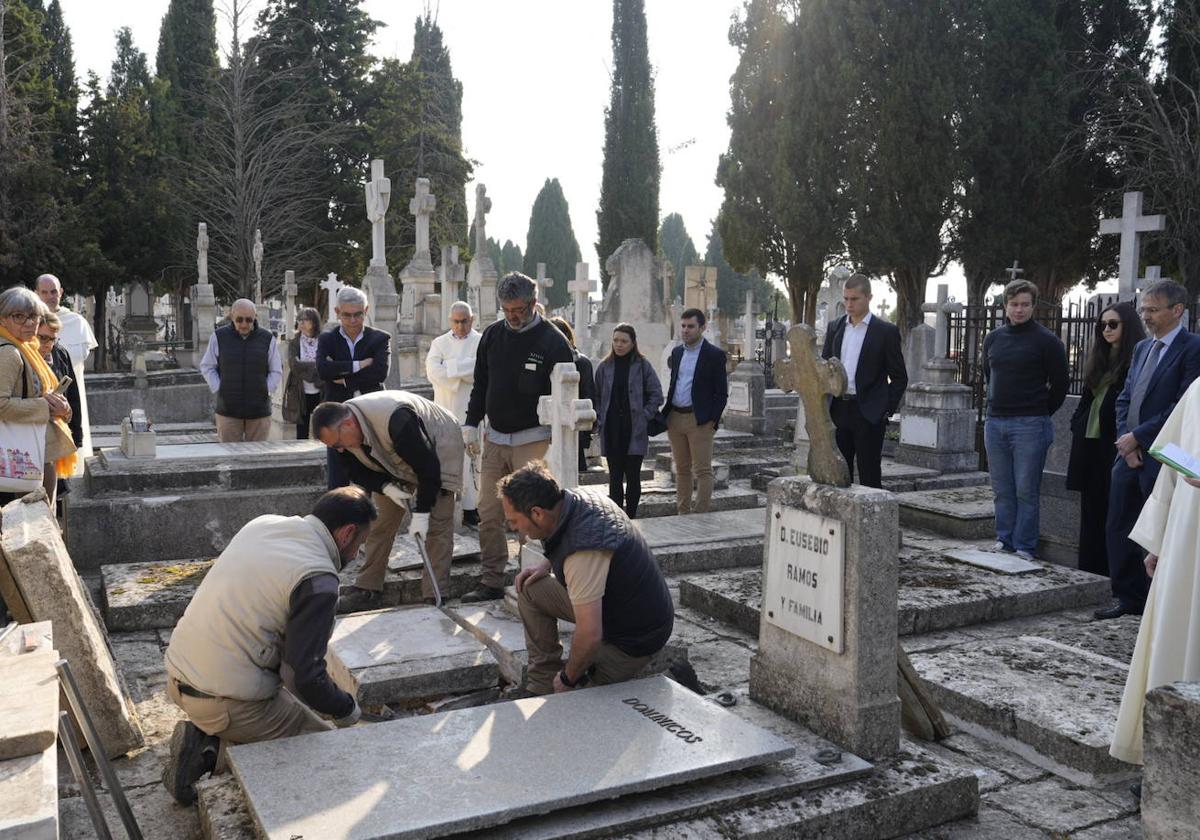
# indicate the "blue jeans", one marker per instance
pixel 1016 452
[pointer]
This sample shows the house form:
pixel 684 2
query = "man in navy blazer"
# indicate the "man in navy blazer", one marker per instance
pixel 1162 368
pixel 695 401
pixel 352 359
pixel 869 348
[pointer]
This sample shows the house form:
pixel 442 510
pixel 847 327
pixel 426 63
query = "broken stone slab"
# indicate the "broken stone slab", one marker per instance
pixel 1045 701
pixel 407 654
pixel 405 555
pixel 149 596
pixel 52 591
pixel 994 561
pixel 934 594
pixel 1171 785
pixel 966 513
pixel 29 793
pixel 638 736
pixel 28 703
pixel 504 635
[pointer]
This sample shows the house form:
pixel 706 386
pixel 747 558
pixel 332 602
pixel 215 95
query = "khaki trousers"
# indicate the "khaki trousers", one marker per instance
pixel 498 461
pixel 541 604
pixel 248 721
pixel 691 452
pixel 439 544
pixel 236 430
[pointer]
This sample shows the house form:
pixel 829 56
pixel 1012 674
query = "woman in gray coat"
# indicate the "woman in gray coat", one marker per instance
pixel 628 396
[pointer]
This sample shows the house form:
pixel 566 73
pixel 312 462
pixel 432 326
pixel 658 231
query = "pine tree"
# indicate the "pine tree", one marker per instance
pixel 551 240
pixel 415 125
pixel 903 150
pixel 676 245
pixel 630 179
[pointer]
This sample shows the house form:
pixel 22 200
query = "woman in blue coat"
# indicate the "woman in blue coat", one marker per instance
pixel 628 396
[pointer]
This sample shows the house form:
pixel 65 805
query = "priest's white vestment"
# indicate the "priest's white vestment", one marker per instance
pixel 450 367
pixel 1168 642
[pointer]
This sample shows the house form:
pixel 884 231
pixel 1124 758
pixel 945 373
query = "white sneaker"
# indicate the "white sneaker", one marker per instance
pixel 1025 555
pixel 998 546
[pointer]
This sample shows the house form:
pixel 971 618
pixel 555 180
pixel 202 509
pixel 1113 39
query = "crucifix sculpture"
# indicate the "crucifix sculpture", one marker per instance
pixel 815 380
pixel 566 415
pixel 422 205
pixel 379 195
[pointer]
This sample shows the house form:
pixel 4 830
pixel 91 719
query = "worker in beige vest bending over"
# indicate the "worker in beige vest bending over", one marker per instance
pixel 246 662
pixel 408 452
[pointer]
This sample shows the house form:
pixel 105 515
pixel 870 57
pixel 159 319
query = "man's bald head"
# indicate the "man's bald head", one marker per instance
pixel 242 313
pixel 49 290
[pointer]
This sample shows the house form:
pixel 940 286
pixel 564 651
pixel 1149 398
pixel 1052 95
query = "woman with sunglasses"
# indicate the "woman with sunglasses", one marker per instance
pixel 1094 428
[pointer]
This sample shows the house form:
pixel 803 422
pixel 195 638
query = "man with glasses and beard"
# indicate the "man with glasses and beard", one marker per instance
pixel 242 367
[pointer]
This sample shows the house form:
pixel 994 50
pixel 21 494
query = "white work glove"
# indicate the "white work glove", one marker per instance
pixel 397 494
pixel 350 719
pixel 471 440
pixel 418 526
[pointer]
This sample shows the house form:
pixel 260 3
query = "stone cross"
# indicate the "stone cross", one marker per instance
pixel 1153 275
pixel 1130 226
pixel 748 329
pixel 941 324
pixel 379 195
pixel 202 254
pixel 257 253
pixel 1014 271
pixel 543 283
pixel 422 206
pixel 289 299
pixel 566 415
pixel 581 288
pixel 450 273
pixel 815 380
pixel 332 285
pixel 714 329
pixel 483 206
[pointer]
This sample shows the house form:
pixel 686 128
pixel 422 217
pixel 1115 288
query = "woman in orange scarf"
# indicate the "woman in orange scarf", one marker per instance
pixel 27 384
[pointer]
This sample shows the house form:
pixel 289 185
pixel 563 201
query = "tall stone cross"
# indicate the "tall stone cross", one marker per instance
pixel 202 254
pixel 289 299
pixel 332 285
pixel 1153 275
pixel 581 288
pixel 1130 226
pixel 422 206
pixel 815 380
pixel 1014 271
pixel 450 273
pixel 566 415
pixel 483 206
pixel 257 253
pixel 941 310
pixel 543 283
pixel 379 195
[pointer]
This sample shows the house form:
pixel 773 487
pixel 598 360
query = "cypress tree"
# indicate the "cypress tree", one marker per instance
pixel 630 180
pixel 551 240
pixel 675 244
pixel 60 68
pixel 508 257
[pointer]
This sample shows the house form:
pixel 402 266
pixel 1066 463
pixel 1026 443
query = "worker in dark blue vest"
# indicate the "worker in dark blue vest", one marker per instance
pixel 599 573
pixel 242 367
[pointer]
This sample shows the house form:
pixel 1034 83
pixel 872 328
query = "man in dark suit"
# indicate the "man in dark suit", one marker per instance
pixel 1163 367
pixel 352 359
pixel 869 348
pixel 695 401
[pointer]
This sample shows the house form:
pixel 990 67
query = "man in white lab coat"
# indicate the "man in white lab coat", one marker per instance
pixel 450 366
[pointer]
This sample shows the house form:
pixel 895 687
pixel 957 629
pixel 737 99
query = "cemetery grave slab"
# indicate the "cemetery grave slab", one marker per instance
pixel 705 541
pixel 474 768
pixel 405 555
pixel 739 463
pixel 723 439
pixel 404 586
pixel 966 513
pixel 231 466
pixel 404 654
pixel 28 703
pixel 1058 701
pixel 994 561
pixel 599 476
pixel 659 499
pixel 149 596
pixel 504 635
pixel 934 593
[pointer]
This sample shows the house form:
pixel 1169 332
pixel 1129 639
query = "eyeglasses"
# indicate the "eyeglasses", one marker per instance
pixel 47 339
pixel 21 317
pixel 243 320
pixel 1110 325
pixel 350 316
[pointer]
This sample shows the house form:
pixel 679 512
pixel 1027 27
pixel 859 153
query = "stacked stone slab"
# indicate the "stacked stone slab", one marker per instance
pixel 1171 787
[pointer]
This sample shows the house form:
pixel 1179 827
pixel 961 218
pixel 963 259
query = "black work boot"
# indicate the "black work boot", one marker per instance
pixel 471 518
pixel 483 593
pixel 193 754
pixel 356 599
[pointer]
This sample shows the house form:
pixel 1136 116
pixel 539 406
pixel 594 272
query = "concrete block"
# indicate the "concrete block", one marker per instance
pixel 29 793
pixel 967 513
pixel 1171 786
pixel 28 703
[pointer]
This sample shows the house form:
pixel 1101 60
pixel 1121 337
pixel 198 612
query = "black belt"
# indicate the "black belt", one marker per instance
pixel 688 410
pixel 850 398
pixel 186 689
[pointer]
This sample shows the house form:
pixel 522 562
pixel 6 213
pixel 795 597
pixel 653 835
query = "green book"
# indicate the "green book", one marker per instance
pixel 1178 460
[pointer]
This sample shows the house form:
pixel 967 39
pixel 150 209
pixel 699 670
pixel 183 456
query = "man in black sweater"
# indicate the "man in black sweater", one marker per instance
pixel 512 370
pixel 1025 366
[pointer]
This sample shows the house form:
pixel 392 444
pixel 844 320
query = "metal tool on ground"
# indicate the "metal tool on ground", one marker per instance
pixel 75 758
pixel 437 591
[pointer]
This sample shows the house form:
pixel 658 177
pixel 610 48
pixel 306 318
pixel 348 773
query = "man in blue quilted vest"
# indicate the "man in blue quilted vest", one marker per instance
pixel 599 574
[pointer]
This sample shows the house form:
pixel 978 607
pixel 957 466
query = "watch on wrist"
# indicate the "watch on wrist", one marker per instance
pixel 580 681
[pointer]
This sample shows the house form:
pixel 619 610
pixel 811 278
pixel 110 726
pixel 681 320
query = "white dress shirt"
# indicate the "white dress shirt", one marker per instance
pixel 852 341
pixel 687 374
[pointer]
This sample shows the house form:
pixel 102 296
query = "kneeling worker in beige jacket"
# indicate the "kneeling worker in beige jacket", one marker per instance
pixel 247 660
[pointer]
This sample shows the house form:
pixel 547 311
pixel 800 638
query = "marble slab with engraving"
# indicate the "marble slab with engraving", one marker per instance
pixel 407 653
pixel 1005 564
pixel 485 766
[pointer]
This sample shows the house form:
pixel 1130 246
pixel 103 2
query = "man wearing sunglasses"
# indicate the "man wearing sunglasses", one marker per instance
pixel 242 367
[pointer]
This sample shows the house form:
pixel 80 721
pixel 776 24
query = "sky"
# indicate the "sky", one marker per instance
pixel 535 77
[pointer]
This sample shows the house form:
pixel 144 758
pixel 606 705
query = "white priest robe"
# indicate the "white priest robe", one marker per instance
pixel 1168 642
pixel 450 367
pixel 79 340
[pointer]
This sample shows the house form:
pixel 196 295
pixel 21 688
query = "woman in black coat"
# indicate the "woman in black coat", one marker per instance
pixel 1094 428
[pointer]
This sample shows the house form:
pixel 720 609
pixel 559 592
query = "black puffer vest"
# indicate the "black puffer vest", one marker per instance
pixel 242 364
pixel 637 610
